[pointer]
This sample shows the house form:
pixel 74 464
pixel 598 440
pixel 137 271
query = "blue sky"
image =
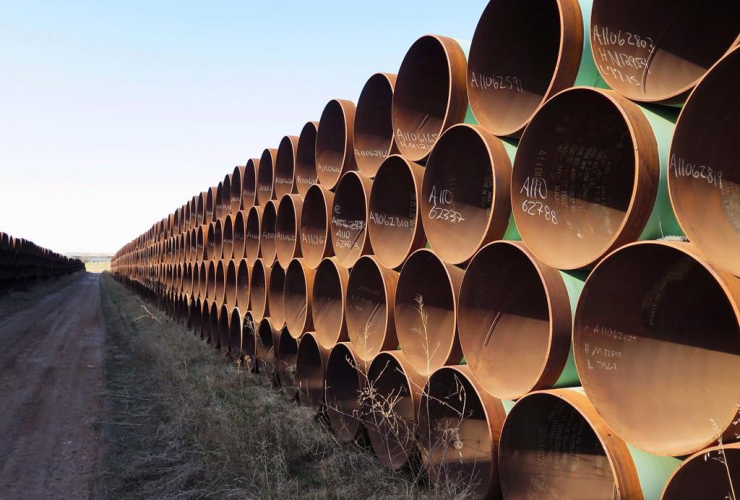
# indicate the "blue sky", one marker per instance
pixel 113 113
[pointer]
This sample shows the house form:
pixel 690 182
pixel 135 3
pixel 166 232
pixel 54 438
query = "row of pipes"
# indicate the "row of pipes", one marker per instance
pixel 521 272
pixel 23 263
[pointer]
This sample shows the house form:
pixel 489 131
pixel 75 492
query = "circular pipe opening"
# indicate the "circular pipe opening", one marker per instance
pixel 334 141
pixel 298 297
pixel 465 208
pixel 285 166
pixel 329 288
pixel 205 321
pixel 349 218
pixel 675 337
pixel 249 184
pixel 212 279
pixel 220 289
pixel 704 176
pixel 287 355
pixel 242 285
pixel 201 243
pixel 203 280
pixel 585 177
pixel 268 247
pixel 252 234
pixel 287 227
pixel 514 321
pixel 391 407
pixel 310 367
pixel 237 188
pixel 266 177
pixel 548 435
pixel 658 52
pixel 210 249
pixel 315 237
pixel 459 426
pixel 275 295
pixel 345 376
pixel 227 247
pixel 543 43
pixel 235 333
pixel 706 475
pixel 374 123
pixel 267 341
pixel 214 337
pixel 371 292
pixel 430 94
pixel 210 210
pixel 239 234
pixel 305 164
pixel 258 290
pixel 223 327
pixel 426 312
pixel 218 240
pixel 249 344
pixel 193 255
pixel 218 204
pixel 230 292
pixel 394 224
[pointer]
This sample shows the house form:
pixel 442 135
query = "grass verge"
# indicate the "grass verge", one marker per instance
pixel 184 422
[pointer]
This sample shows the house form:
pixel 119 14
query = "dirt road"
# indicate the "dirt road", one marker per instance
pixel 51 377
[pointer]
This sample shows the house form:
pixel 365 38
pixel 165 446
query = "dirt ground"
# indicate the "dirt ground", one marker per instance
pixel 51 378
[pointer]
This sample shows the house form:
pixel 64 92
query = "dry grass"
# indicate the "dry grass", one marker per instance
pixel 183 422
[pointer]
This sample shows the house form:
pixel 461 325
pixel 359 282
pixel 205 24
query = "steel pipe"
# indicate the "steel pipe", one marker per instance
pixel 391 409
pixel 346 376
pixel 224 314
pixel 285 162
pixel 515 317
pixel 219 292
pixel 287 355
pixel 334 139
pixel 298 297
pixel 249 340
pixel 659 51
pixel 329 292
pixel 430 94
pixel 227 238
pixel 703 180
pixel 243 284
pixel 459 430
pixel 369 308
pixel 235 333
pixel 394 224
pixel 259 282
pixel 231 284
pixel 465 208
pixel 214 336
pixel 275 295
pixel 287 228
pixel 249 184
pixel 711 474
pixel 239 235
pixel 373 128
pixel 210 206
pixel 547 50
pixel 252 234
pixel 267 340
pixel 266 177
pixel 237 188
pixel 315 227
pixel 268 247
pixel 310 369
pixel 218 240
pixel 658 367
pixel 305 164
pixel 349 218
pixel 590 176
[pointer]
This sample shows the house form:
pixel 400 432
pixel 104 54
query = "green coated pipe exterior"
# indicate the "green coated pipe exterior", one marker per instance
pixel 662 220
pixel 465 46
pixel 588 75
pixel 574 281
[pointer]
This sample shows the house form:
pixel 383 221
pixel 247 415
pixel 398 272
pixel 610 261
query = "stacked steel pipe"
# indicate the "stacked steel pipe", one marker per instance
pixel 517 262
pixel 23 263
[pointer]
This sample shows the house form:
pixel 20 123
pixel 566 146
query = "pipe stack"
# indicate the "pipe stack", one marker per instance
pixel 515 263
pixel 23 263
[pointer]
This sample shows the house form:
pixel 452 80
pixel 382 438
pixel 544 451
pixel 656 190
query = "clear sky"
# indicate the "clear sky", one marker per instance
pixel 114 113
